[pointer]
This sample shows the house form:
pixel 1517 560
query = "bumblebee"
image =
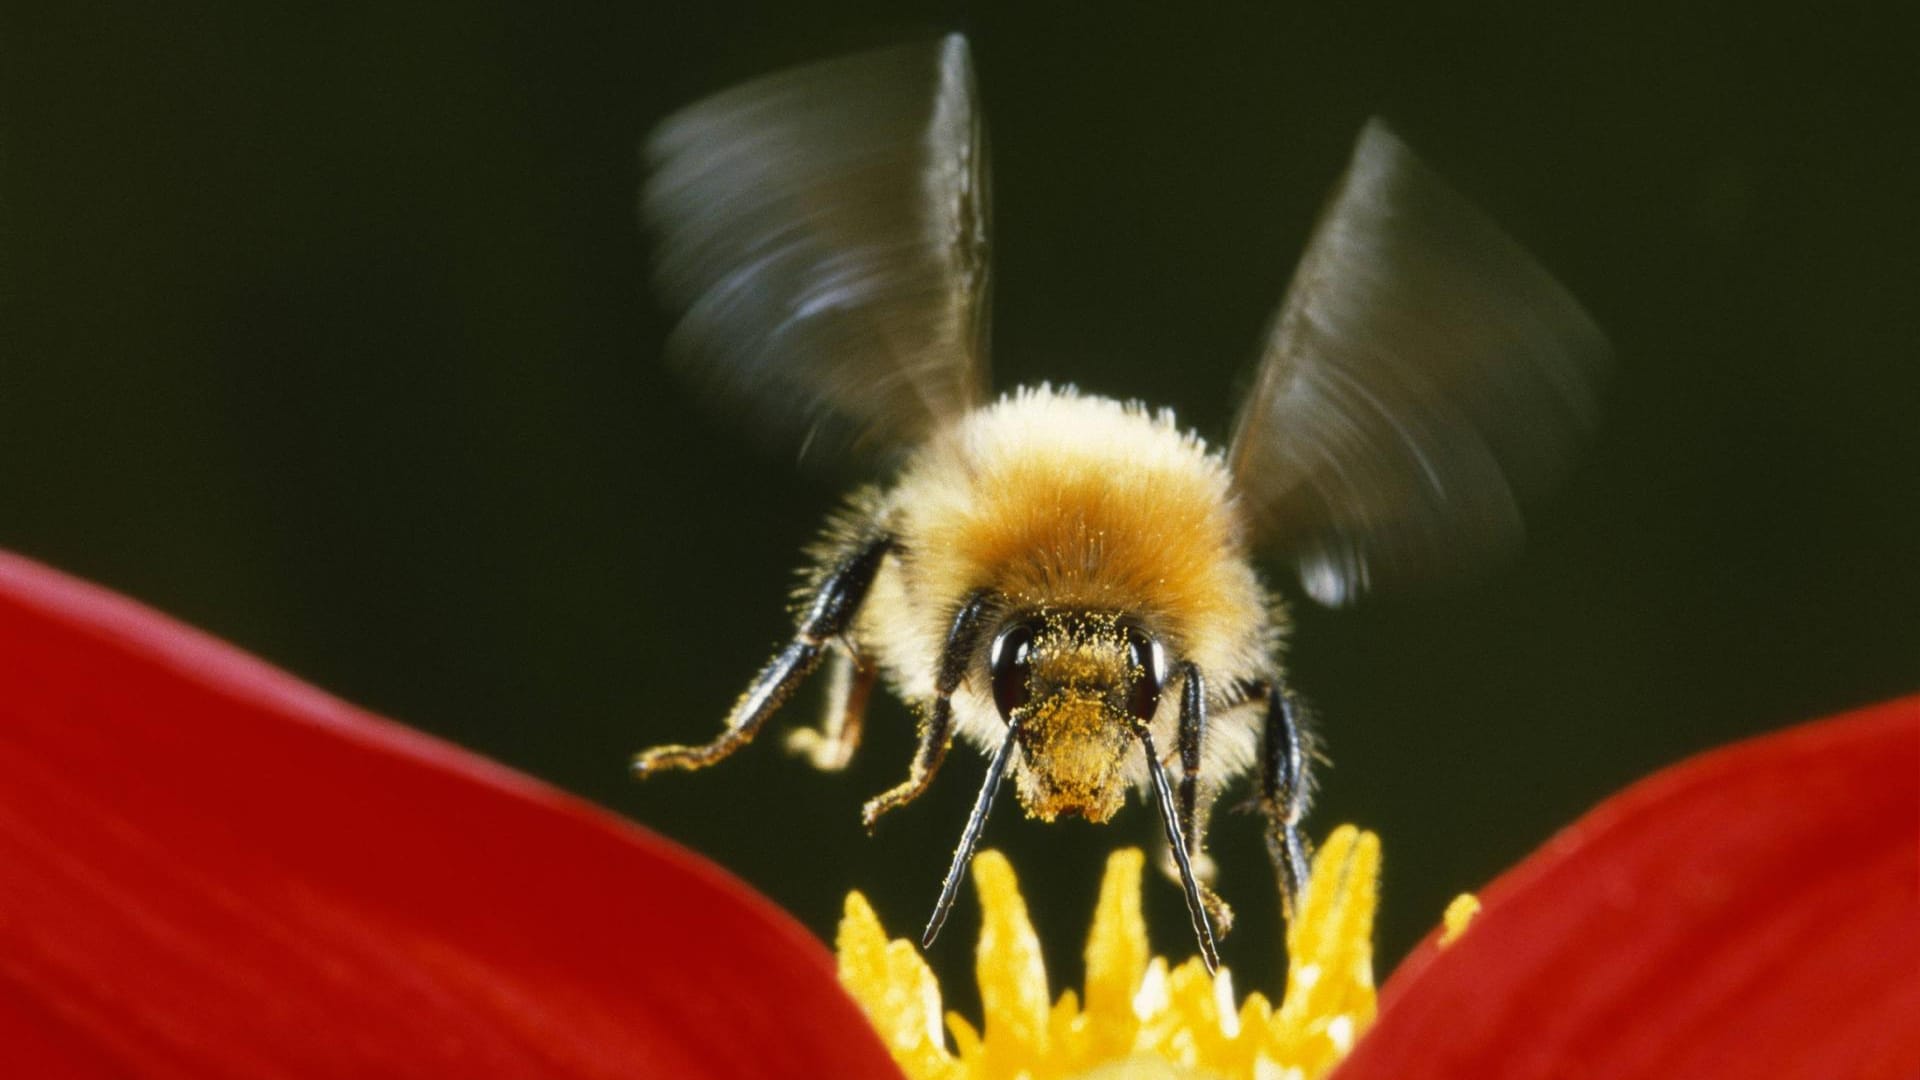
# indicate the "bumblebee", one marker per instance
pixel 1064 581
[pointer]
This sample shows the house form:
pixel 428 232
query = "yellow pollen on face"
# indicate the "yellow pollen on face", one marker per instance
pixel 1139 1017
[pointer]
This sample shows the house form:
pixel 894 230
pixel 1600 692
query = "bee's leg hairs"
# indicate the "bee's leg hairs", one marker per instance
pixel 1284 791
pixel 826 617
pixel 936 728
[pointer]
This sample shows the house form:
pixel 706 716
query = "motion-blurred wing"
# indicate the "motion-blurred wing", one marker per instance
pixel 1422 377
pixel 825 230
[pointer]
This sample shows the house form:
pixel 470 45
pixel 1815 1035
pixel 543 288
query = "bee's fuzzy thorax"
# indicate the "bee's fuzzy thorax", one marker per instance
pixel 1060 500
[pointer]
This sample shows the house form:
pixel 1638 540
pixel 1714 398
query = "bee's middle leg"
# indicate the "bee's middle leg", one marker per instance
pixel 936 729
pixel 828 616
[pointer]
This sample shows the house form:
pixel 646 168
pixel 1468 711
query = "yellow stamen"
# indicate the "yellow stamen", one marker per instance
pixel 1141 1017
pixel 895 988
pixel 1459 914
pixel 1013 979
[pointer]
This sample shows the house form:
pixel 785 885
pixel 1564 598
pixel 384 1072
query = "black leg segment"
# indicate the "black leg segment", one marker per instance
pixel 936 733
pixel 1284 791
pixel 830 613
pixel 1196 900
pixel 1193 734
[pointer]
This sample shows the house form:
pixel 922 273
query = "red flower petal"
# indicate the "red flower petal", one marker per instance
pixel 209 869
pixel 1753 912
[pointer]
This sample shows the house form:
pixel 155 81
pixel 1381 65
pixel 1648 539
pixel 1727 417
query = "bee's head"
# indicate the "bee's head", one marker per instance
pixel 1080 686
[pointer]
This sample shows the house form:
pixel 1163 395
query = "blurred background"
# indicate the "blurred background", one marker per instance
pixel 329 331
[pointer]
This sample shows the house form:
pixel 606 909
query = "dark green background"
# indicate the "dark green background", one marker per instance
pixel 329 332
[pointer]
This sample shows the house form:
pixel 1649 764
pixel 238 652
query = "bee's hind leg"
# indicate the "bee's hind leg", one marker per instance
pixel 936 728
pixel 831 745
pixel 827 616
pixel 1284 790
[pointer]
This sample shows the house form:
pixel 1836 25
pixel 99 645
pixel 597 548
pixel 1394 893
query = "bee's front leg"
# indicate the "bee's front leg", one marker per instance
pixel 826 617
pixel 936 729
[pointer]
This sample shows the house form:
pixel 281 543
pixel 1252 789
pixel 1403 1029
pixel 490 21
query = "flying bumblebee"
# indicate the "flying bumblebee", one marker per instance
pixel 1065 581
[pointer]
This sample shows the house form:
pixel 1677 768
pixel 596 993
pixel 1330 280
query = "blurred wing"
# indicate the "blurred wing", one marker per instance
pixel 825 230
pixel 1422 377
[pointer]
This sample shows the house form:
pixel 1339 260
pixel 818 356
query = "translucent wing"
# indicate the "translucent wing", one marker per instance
pixel 1421 379
pixel 825 230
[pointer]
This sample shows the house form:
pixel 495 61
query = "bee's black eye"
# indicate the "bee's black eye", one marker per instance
pixel 1146 656
pixel 1010 663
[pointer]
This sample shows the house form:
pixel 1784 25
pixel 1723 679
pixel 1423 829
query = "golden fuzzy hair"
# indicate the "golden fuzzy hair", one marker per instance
pixel 1059 500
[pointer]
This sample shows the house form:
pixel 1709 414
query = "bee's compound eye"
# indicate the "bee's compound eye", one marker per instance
pixel 1010 663
pixel 1150 662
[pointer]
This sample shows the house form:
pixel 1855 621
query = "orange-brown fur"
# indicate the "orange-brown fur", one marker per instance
pixel 1062 501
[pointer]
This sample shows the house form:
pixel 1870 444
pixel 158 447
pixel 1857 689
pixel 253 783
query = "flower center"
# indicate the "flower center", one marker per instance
pixel 1139 1016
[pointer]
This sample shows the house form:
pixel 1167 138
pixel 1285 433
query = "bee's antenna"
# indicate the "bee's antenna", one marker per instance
pixel 1196 907
pixel 976 822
